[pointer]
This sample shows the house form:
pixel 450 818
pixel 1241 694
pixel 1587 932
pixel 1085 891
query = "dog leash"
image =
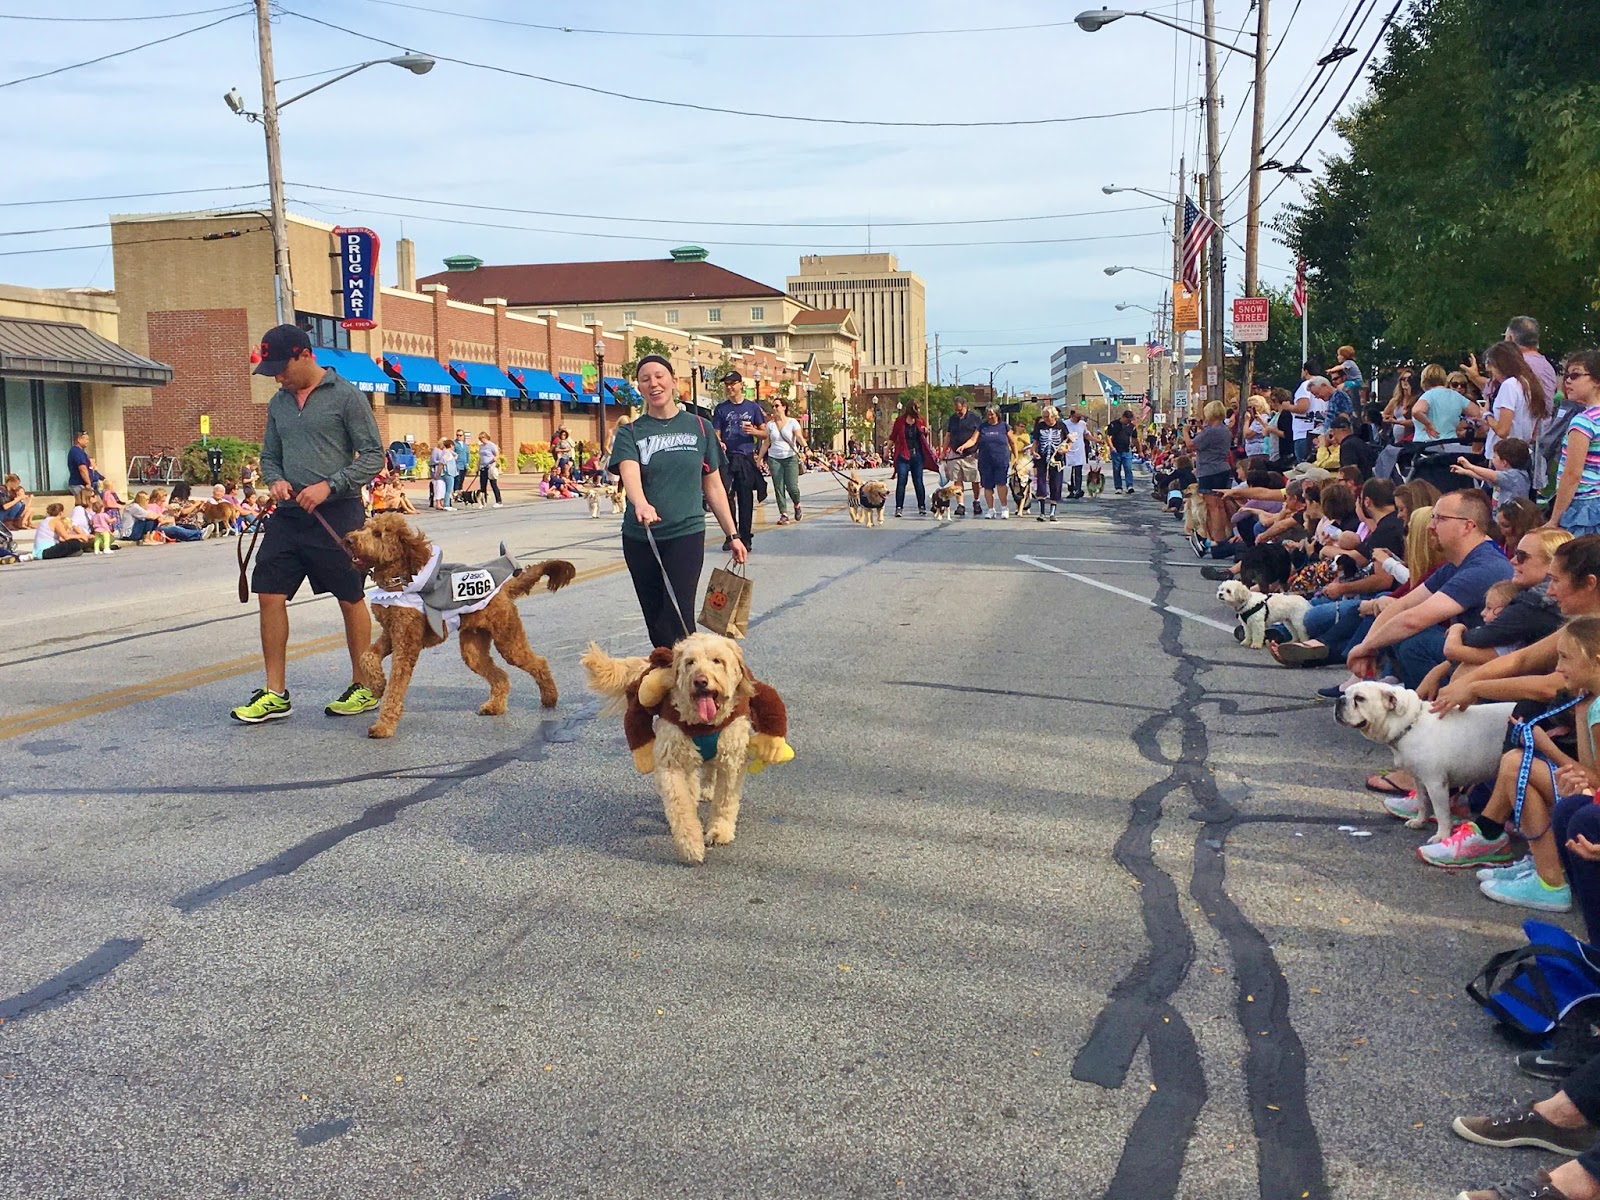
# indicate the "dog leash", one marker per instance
pixel 244 554
pixel 1524 731
pixel 676 608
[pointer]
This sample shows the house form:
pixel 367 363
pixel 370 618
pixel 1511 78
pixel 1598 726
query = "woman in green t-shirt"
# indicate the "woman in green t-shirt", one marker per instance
pixel 668 461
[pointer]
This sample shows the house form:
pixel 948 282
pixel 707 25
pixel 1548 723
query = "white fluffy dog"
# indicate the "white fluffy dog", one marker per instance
pixel 1441 751
pixel 1257 610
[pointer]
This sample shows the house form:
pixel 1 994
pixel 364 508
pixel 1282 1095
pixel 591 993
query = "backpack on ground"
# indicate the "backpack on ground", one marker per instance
pixel 1531 988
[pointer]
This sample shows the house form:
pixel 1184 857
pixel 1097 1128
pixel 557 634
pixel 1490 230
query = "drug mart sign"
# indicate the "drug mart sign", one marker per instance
pixel 358 275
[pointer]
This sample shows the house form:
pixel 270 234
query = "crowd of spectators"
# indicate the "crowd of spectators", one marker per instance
pixel 1448 541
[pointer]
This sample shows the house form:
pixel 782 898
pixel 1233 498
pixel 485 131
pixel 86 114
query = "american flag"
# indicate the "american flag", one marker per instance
pixel 1155 349
pixel 1197 231
pixel 1300 289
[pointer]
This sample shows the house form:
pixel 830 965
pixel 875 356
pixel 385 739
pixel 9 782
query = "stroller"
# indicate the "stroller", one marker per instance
pixel 1429 462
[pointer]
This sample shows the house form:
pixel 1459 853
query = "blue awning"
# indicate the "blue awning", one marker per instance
pixel 422 374
pixel 538 384
pixel 484 379
pixel 620 391
pixel 357 368
pixel 575 386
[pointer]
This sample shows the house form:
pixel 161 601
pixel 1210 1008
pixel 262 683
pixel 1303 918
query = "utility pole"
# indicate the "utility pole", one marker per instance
pixel 1214 182
pixel 283 288
pixel 1252 228
pixel 1198 398
pixel 1180 339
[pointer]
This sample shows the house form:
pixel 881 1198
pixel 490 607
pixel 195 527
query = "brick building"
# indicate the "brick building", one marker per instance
pixel 196 290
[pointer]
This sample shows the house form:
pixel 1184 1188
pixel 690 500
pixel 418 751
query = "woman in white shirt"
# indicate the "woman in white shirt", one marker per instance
pixel 1520 404
pixel 784 444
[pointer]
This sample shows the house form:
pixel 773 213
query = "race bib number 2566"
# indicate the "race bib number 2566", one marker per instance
pixel 467 586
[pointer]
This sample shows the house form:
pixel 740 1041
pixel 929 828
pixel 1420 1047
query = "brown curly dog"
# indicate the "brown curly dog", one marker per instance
pixel 393 552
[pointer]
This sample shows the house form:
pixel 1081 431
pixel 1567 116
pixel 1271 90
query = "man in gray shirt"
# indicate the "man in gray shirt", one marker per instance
pixel 320 449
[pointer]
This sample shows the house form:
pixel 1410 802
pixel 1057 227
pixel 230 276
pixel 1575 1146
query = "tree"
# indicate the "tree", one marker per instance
pixel 858 418
pixel 824 410
pixel 642 346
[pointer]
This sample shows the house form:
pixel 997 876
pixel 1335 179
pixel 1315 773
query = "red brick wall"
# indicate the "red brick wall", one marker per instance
pixel 209 350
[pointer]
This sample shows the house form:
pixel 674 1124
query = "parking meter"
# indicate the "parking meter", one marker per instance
pixel 215 459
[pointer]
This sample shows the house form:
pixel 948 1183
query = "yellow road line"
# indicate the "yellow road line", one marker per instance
pixel 155 689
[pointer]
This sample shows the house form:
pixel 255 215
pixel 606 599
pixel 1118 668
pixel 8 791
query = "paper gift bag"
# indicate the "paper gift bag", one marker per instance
pixel 727 604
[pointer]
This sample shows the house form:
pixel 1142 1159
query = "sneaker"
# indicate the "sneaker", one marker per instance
pixel 1535 1187
pixel 1524 1127
pixel 1551 1065
pixel 1005 514
pixel 1332 692
pixel 991 515
pixel 797 511
pixel 898 513
pixel 1040 518
pixel 783 518
pixel 1521 867
pixel 922 512
pixel 977 509
pixel 1465 847
pixel 961 510
pixel 1052 518
pixel 1528 891
pixel 1278 634
pixel 1401 807
pixel 355 701
pixel 262 706
pixel 497 504
pixel 1198 544
pixel 1217 574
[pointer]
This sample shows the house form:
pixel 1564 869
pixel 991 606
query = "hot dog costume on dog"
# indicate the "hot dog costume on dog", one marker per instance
pixel 769 720
pixel 444 592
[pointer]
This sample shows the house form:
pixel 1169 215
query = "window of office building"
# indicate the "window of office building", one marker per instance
pixel 37 420
pixel 672 316
pixel 769 340
pixel 747 341
pixel 758 312
pixel 588 318
pixel 629 316
pixel 323 331
pixel 713 316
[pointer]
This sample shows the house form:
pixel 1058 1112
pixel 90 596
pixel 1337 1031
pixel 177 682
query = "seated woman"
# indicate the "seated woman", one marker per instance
pixel 54 536
pixel 138 521
pixel 16 505
pixel 555 487
pixel 172 517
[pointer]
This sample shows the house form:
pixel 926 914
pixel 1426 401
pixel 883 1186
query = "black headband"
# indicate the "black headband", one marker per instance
pixel 653 358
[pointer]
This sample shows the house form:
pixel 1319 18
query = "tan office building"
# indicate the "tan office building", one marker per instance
pixel 890 308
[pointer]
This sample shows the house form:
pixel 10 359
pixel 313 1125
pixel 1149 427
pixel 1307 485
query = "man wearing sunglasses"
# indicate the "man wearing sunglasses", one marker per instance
pixel 1412 629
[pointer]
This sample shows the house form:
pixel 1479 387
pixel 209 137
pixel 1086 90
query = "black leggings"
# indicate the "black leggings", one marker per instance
pixel 63 549
pixel 1047 485
pixel 683 558
pixel 487 481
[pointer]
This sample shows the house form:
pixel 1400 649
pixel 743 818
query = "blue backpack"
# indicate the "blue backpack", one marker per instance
pixel 1530 989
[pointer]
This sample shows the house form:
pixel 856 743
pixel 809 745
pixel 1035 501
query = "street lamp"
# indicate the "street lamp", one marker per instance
pixel 283 288
pixel 1097 19
pixel 1141 270
pixel 1125 306
pixel 1010 362
pixel 600 376
pixel 1112 189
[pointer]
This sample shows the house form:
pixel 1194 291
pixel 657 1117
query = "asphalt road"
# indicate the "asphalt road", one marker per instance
pixel 1053 902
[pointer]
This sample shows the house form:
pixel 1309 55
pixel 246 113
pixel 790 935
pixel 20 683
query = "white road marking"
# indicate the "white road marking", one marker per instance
pixel 1107 587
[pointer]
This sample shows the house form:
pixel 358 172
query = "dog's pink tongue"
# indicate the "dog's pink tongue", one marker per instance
pixel 707 706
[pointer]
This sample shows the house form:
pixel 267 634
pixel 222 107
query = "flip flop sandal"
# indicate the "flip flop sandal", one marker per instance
pixel 1384 786
pixel 1298 654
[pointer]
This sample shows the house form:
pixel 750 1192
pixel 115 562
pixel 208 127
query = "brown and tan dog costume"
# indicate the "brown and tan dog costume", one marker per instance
pixel 647 696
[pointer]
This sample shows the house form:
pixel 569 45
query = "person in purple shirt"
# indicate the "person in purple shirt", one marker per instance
pixel 1412 629
pixel 1523 332
pixel 739 422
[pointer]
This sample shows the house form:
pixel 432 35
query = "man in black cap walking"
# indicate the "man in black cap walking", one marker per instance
pixel 739 422
pixel 320 449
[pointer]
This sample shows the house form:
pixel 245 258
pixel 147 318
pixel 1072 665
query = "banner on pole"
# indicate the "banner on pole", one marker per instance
pixel 1185 309
pixel 1250 319
pixel 358 274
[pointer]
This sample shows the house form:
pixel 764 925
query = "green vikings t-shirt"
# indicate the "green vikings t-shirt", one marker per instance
pixel 669 454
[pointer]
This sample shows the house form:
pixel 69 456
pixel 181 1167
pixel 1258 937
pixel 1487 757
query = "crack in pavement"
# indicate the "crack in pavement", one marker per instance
pixel 76 979
pixel 1289 1160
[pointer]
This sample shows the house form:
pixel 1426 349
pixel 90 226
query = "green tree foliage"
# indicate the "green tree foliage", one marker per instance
pixel 642 346
pixel 195 465
pixel 1469 191
pixel 824 410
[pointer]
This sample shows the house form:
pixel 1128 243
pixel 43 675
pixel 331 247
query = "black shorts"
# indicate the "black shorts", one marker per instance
pixel 295 547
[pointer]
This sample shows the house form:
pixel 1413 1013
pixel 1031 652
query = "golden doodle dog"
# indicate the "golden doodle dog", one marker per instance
pixel 421 599
pixel 866 500
pixel 697 719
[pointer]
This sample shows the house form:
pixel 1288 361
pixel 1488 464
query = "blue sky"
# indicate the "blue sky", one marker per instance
pixel 155 121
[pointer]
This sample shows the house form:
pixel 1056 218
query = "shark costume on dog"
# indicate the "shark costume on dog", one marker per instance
pixel 443 591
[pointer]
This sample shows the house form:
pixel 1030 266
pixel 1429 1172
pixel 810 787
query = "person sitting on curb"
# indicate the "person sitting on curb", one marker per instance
pixel 54 537
pixel 16 505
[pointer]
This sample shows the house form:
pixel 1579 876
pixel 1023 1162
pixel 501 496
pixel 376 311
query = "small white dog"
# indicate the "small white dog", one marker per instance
pixel 1257 610
pixel 1441 751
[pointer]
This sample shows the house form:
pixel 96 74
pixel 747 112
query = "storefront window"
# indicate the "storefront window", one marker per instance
pixel 323 331
pixel 37 421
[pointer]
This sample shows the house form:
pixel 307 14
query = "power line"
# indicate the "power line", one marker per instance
pixel 642 237
pixel 203 237
pixel 701 223
pixel 119 53
pixel 194 12
pixel 242 187
pixel 736 112
pixel 697 36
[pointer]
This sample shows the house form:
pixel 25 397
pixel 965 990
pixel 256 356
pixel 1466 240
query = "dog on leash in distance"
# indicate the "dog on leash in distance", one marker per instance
pixel 1195 521
pixel 1257 610
pixel 421 599
pixel 1441 751
pixel 592 494
pixel 1020 484
pixel 696 719
pixel 1094 480
pixel 866 500
pixel 944 500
